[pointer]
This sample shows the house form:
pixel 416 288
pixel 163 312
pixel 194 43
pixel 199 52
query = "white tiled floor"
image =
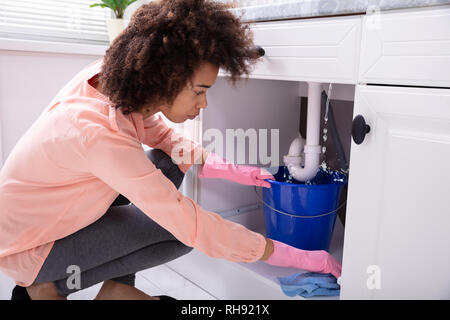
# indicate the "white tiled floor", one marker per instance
pixel 160 280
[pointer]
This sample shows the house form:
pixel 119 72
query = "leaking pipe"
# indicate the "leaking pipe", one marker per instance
pixel 312 149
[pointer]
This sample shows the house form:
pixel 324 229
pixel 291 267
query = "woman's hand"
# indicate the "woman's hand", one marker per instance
pixel 314 260
pixel 216 167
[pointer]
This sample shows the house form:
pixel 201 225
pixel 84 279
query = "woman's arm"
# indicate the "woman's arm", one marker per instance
pixel 183 151
pixel 219 168
pixel 120 162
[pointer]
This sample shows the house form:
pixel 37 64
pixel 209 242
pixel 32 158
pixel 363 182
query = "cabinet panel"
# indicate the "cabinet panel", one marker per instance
pixel 320 50
pixel 398 214
pixel 407 48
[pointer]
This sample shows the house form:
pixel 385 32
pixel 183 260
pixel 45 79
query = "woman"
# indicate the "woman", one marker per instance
pixel 79 193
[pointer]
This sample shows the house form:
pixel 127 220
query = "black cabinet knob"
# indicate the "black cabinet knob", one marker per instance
pixel 259 51
pixel 359 129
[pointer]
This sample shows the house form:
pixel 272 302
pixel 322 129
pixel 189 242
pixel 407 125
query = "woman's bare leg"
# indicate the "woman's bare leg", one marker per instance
pixel 44 291
pixel 112 290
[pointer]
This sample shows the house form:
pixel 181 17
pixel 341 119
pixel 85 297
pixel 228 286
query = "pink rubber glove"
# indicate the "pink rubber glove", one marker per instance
pixel 316 260
pixel 216 167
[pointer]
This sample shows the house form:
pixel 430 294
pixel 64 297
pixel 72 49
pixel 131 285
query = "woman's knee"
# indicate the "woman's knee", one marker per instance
pixel 183 249
pixel 165 163
pixel 170 250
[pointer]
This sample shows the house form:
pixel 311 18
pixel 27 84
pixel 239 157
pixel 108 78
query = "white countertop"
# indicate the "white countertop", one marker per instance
pixel 265 10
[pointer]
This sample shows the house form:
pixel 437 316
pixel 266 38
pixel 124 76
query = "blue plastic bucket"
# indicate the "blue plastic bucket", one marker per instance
pixel 302 215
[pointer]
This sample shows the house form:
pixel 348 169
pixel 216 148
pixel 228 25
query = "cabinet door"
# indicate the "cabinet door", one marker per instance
pixel 397 233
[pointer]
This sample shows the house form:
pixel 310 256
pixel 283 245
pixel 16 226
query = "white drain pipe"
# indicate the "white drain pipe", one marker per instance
pixel 312 148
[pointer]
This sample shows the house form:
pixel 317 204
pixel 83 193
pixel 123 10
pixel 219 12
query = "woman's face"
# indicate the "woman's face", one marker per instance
pixel 192 98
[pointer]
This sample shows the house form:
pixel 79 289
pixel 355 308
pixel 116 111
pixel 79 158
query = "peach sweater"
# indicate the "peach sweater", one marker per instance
pixel 72 163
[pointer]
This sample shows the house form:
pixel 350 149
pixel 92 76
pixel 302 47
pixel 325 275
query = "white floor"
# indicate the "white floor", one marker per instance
pixel 160 280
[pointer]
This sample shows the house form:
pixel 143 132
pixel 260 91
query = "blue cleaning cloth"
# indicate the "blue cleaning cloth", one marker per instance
pixel 309 284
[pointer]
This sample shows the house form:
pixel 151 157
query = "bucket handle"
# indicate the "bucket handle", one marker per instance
pixel 295 216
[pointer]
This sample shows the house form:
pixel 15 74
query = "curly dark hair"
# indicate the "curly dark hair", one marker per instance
pixel 155 57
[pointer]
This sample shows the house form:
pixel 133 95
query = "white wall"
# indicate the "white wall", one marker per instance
pixel 30 76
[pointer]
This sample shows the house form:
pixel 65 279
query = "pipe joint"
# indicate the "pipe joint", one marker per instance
pixel 312 149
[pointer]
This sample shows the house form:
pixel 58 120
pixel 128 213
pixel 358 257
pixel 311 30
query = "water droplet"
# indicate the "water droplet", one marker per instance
pixel 327 105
